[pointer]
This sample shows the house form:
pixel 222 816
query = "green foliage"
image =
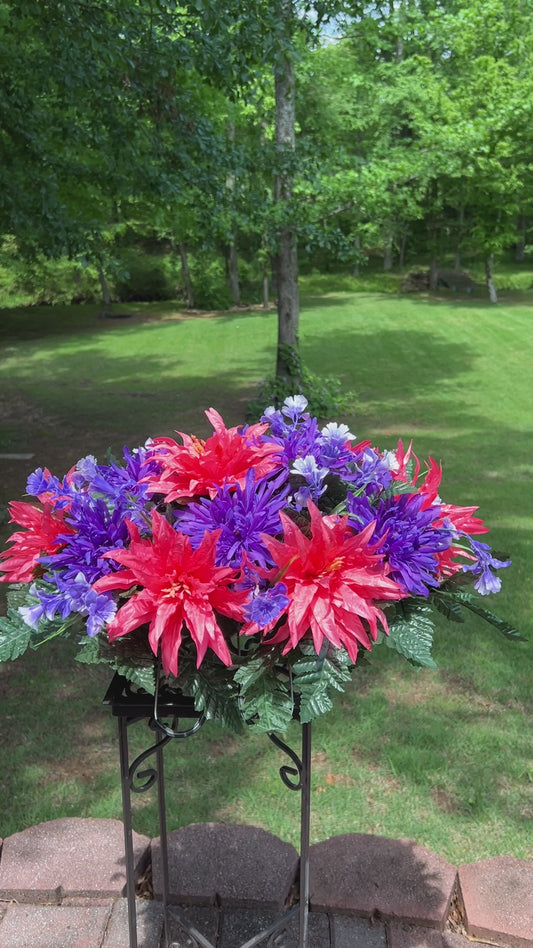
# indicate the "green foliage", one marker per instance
pixel 209 282
pixel 411 632
pixel 315 675
pixel 323 393
pixel 15 635
pixel 44 281
pixel 266 703
pixel 144 276
pixel 451 601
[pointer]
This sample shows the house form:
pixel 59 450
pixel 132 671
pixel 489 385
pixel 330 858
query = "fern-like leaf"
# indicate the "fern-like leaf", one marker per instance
pixel 448 604
pixel 411 633
pixel 470 602
pixel 15 636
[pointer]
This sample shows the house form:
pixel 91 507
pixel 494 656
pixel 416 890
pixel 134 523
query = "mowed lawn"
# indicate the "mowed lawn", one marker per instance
pixel 442 757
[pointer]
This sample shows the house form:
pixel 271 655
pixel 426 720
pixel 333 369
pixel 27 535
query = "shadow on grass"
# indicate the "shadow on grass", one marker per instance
pixel 60 755
pixel 59 747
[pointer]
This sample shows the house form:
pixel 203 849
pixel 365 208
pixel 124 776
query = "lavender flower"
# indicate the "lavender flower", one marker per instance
pixel 371 474
pixel 267 605
pixel 487 582
pixel 313 475
pixel 60 598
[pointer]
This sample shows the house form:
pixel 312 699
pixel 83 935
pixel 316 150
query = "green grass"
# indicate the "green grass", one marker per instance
pixel 442 757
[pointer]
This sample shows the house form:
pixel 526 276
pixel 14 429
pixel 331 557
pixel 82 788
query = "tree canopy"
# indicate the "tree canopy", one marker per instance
pixel 340 128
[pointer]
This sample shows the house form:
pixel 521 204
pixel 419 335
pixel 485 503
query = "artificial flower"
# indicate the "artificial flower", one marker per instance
pixel 178 588
pixel 334 577
pixel 200 467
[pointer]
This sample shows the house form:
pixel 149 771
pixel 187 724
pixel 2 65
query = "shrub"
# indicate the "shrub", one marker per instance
pixel 323 393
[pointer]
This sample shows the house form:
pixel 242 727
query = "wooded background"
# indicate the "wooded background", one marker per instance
pixel 230 135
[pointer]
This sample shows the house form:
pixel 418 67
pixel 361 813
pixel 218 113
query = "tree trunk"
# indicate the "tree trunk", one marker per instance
pixel 233 274
pixel 387 253
pixel 403 245
pixel 489 265
pixel 457 256
pixel 520 248
pixel 287 366
pixel 433 274
pixel 106 295
pixel 357 244
pixel 231 259
pixel 186 277
pixel 266 301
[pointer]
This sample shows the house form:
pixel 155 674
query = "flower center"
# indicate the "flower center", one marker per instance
pixel 335 565
pixel 198 445
pixel 177 588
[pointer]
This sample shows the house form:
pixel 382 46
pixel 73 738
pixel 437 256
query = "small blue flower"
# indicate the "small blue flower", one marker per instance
pixel 314 475
pixel 371 474
pixel 294 407
pixel 267 606
pixel 487 582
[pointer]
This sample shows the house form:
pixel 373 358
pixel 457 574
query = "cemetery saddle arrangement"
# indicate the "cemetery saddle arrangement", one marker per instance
pixel 251 570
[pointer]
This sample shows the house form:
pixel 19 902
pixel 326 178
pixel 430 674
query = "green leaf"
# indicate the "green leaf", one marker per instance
pixel 448 604
pixel 411 633
pixel 250 674
pixel 267 707
pixel 93 652
pixel 509 631
pixel 313 677
pixel 15 636
pixel 215 695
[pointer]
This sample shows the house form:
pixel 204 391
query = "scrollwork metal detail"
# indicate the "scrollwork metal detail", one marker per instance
pixel 286 772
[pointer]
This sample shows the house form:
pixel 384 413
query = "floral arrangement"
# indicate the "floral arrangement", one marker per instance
pixel 252 570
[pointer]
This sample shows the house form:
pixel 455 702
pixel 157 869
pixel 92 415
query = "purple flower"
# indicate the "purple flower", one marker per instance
pixel 371 473
pixel 119 485
pixel 62 597
pixel 242 515
pixel 314 477
pixel 487 582
pixel 267 605
pixel 98 529
pixel 410 542
pixel 42 482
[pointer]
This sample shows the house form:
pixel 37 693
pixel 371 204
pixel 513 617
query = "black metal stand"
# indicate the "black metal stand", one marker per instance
pixel 129 707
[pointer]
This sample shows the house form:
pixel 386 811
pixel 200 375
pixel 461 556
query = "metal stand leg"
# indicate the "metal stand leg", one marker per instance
pixel 128 829
pixel 305 811
pixel 163 848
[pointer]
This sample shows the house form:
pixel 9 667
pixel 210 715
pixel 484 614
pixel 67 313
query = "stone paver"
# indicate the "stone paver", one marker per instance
pixel 357 933
pixel 239 925
pixel 54 926
pixel 366 891
pixel 67 857
pixel 498 900
pixel 240 865
pixel 368 875
pixel 205 920
pixel 409 936
pixel 149 925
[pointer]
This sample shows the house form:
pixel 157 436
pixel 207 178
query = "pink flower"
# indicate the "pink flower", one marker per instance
pixel 180 588
pixel 41 537
pixel 334 578
pixel 200 467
